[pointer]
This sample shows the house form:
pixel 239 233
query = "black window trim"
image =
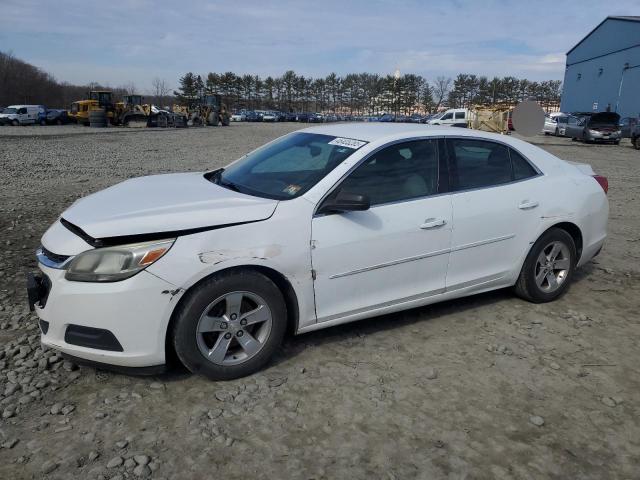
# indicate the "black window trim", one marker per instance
pixel 444 169
pixel 539 173
pixel 339 182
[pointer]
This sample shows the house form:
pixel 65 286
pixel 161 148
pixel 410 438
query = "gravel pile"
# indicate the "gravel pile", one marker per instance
pixel 485 387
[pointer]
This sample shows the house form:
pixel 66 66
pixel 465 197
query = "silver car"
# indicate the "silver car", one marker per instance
pixel 594 127
pixel 551 123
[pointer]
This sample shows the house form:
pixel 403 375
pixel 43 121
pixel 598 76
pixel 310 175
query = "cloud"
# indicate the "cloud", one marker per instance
pixel 136 40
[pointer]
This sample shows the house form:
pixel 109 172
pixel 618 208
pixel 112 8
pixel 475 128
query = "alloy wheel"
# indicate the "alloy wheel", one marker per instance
pixel 552 266
pixel 234 328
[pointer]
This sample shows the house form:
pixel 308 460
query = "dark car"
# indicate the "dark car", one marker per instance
pixel 627 125
pixel 253 116
pixel 594 127
pixel 291 117
pixel 315 118
pixel 57 117
pixel 635 136
pixel 387 117
pixel 303 117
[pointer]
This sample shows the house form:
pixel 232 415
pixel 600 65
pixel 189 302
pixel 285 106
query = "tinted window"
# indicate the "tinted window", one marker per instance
pixel 563 119
pixel 448 116
pixel 572 121
pixel 399 172
pixel 478 163
pixel 22 111
pixel 521 168
pixel 459 115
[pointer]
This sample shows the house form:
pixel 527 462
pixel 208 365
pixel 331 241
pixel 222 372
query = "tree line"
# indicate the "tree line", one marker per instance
pixel 365 93
pixel 23 83
pixel 354 93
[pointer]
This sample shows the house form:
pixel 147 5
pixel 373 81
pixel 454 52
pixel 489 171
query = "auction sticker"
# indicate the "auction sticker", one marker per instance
pixel 347 142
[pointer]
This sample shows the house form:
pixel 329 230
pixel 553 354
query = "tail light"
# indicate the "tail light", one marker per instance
pixel 604 183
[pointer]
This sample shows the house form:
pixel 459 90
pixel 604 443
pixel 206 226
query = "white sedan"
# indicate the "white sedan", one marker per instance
pixel 320 227
pixel 239 117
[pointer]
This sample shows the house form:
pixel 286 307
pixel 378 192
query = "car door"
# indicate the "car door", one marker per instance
pixel 574 128
pixel 395 251
pixel 495 195
pixel 459 119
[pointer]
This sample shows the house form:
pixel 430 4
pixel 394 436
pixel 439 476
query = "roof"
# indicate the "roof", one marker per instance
pixel 377 133
pixel 630 18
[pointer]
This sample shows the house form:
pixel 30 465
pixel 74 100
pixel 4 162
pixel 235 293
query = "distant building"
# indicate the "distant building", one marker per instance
pixel 603 69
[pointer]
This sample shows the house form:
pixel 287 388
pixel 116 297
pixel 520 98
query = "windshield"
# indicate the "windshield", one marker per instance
pixel 9 110
pixel 288 167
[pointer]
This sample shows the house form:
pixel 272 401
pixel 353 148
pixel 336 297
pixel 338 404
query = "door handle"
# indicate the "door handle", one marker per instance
pixel 527 205
pixel 433 223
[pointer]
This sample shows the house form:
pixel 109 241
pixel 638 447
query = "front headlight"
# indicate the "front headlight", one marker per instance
pixel 112 264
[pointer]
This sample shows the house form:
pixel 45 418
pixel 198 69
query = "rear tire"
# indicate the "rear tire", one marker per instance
pixel 548 268
pixel 636 143
pixel 208 308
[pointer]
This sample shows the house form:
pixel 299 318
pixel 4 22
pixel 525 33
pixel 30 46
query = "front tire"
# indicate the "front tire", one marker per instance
pixel 230 325
pixel 548 269
pixel 636 143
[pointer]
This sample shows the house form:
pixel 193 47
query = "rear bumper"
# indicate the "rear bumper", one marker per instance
pixel 121 323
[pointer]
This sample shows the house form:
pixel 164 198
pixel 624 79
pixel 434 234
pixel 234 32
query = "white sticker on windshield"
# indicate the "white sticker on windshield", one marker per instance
pixel 347 142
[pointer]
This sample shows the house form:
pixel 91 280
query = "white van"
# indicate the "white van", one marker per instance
pixel 454 117
pixel 22 115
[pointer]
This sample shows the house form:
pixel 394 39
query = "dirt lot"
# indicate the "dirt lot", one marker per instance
pixel 456 390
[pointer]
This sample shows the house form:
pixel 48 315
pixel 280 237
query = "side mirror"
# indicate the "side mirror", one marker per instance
pixel 345 202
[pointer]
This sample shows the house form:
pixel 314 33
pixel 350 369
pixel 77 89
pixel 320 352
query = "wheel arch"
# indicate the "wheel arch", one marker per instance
pixel 281 281
pixel 575 232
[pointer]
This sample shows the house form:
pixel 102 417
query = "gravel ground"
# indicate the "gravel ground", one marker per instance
pixel 485 387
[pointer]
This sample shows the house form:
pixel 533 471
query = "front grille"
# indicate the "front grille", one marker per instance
pixel 54 257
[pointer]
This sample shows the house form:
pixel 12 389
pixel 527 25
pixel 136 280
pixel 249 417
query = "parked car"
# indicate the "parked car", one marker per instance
pixel 387 118
pixel 551 126
pixel 454 117
pixel 304 117
pixel 594 127
pixel 253 116
pixel 239 117
pixel 58 117
pixel 23 115
pixel 315 118
pixel 320 227
pixel 635 136
pixel 291 117
pixel 627 124
pixel 415 118
pixel 269 117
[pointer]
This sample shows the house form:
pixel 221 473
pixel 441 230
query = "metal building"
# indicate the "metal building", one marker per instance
pixel 603 69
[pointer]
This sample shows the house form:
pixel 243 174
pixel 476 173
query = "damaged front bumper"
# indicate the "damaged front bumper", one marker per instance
pixel 121 323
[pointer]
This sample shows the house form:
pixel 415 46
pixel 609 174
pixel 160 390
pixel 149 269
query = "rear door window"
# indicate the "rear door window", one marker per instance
pixel 459 115
pixel 521 167
pixel 482 163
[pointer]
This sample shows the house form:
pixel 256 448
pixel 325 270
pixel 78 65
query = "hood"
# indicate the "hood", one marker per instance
pixel 164 203
pixel 604 119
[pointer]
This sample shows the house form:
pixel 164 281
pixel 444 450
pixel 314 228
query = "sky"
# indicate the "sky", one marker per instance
pixel 133 41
